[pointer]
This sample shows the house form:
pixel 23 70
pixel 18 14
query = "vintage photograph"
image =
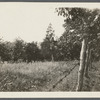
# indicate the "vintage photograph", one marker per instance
pixel 49 47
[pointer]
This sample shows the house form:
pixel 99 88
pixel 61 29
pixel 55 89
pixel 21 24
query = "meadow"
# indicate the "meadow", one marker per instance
pixel 42 76
pixel 38 76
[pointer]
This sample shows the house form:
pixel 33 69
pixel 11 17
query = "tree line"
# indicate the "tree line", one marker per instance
pixel 51 49
pixel 66 47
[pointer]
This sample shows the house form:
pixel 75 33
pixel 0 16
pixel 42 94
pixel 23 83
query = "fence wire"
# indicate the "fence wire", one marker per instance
pixel 65 73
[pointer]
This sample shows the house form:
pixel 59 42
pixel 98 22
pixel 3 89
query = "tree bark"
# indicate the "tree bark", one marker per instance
pixel 87 61
pixel 52 58
pixel 82 65
pixel 90 60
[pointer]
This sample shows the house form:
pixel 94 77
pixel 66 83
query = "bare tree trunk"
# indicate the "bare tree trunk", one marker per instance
pixel 87 61
pixel 52 57
pixel 90 60
pixel 82 65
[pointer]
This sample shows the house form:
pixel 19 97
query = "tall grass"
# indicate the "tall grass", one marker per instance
pixel 38 76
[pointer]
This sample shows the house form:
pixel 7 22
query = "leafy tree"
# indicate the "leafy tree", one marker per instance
pixel 5 53
pixel 18 50
pixel 69 46
pixel 49 44
pixel 32 52
pixel 86 24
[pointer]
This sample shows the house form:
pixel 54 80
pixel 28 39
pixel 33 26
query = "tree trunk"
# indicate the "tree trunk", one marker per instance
pixel 82 65
pixel 90 60
pixel 87 61
pixel 52 58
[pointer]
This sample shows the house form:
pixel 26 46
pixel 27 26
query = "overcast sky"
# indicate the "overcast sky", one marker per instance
pixel 29 21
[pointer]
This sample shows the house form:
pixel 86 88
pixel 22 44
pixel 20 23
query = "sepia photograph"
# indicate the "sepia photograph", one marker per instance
pixel 49 47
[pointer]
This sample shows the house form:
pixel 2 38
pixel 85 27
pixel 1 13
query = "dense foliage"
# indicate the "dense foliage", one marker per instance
pixel 78 23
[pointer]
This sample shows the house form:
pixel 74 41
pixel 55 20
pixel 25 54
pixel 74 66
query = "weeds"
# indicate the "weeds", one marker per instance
pixel 38 76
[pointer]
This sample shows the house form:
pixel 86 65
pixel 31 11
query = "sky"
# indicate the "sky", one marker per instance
pixel 29 21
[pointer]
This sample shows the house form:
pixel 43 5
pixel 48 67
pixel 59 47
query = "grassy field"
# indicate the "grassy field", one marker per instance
pixel 94 77
pixel 38 76
pixel 42 76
